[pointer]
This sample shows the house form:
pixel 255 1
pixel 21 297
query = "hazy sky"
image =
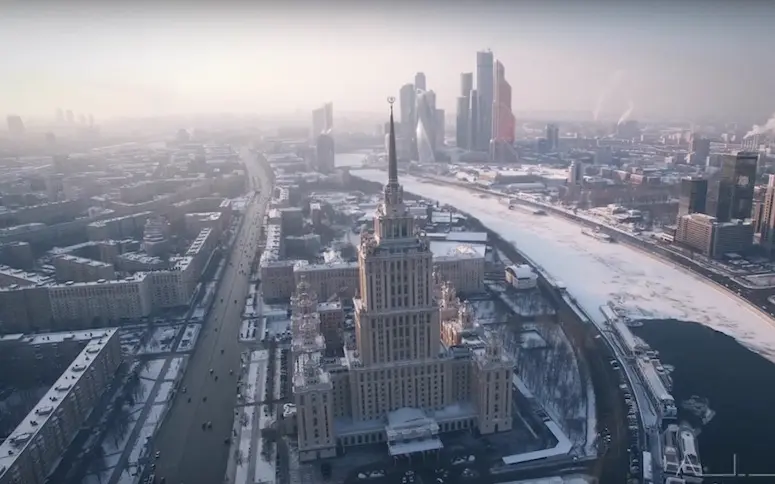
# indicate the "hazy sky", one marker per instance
pixel 679 58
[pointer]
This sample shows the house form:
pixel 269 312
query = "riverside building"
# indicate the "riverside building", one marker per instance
pixel 400 384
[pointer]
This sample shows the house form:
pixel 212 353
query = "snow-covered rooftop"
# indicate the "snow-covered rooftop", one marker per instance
pixel 595 273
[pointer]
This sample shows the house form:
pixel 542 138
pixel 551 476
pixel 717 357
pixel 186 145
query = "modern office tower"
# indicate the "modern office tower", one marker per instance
pixel 575 172
pixel 426 126
pixel 730 193
pixel 466 83
pixel 473 121
pixel 463 115
pixel 440 128
pixel 552 137
pixel 693 196
pixel 60 115
pixel 419 81
pixel 322 120
pixel 325 154
pixel 15 125
pixel 407 99
pixel 328 108
pixel 484 88
pixel 413 373
pixel 318 121
pixel 69 116
pixel 503 123
pixel 461 122
pixel 700 150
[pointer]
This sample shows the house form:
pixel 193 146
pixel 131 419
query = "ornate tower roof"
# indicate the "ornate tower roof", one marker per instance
pixel 392 154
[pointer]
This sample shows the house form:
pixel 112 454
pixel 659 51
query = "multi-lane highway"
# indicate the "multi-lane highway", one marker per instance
pixel 187 453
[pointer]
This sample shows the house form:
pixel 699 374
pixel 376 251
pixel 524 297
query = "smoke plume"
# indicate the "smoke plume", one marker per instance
pixel 768 127
pixel 627 113
pixel 608 88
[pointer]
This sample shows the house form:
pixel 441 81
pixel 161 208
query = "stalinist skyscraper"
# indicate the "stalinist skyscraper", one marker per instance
pixel 417 367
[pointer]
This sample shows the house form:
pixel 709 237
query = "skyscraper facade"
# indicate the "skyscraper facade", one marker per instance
pixel 484 87
pixel 503 123
pixel 322 120
pixel 318 121
pixel 700 150
pixel 441 127
pixel 15 125
pixel 463 119
pixel 407 99
pixel 325 156
pixel 462 122
pixel 473 123
pixel 552 137
pixel 730 194
pixel 419 81
pixel 413 373
pixel 426 132
pixel 693 196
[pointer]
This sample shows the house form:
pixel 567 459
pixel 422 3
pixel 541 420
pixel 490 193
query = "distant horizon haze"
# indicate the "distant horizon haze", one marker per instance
pixel 677 60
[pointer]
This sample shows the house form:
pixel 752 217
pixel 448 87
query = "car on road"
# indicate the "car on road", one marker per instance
pixel 221 350
pixel 185 389
pixel 204 399
pixel 211 371
pixel 158 454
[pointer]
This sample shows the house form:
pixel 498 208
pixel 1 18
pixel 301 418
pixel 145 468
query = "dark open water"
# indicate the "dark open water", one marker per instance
pixel 739 386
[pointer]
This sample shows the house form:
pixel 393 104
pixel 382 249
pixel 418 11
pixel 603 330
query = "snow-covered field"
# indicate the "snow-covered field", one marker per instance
pixel 597 272
pixel 190 337
pixel 161 340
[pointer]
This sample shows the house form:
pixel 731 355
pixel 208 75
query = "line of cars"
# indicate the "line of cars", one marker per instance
pixel 633 426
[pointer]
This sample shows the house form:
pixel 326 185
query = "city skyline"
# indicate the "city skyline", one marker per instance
pixel 174 69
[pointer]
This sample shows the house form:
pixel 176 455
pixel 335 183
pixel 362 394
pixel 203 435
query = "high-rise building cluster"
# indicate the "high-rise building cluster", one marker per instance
pixel 714 215
pixel 485 118
pixel 421 131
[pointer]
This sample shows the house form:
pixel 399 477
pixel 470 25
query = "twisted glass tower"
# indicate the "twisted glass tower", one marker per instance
pixel 426 126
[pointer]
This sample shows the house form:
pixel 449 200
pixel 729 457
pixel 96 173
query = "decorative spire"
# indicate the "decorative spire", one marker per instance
pixel 392 156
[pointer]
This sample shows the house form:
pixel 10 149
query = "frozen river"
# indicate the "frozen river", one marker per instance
pixel 597 272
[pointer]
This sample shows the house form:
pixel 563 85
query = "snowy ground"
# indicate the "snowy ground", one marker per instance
pixel 190 336
pixel 161 340
pixel 548 368
pixel 151 399
pixel 130 339
pixel 596 272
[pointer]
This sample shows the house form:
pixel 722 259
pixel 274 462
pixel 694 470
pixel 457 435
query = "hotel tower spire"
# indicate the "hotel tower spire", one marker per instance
pixel 392 156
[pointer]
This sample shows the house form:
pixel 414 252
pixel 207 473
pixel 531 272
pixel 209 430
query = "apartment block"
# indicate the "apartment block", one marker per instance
pixel 32 450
